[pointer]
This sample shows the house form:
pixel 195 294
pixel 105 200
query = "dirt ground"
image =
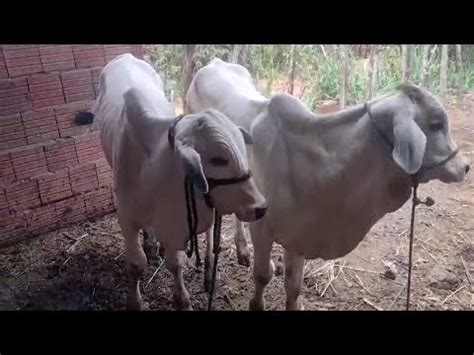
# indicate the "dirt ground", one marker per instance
pixel 83 267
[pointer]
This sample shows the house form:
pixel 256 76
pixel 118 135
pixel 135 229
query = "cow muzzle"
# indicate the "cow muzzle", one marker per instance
pixel 449 171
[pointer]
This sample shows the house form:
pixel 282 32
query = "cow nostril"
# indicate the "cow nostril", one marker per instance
pixel 260 212
pixel 467 168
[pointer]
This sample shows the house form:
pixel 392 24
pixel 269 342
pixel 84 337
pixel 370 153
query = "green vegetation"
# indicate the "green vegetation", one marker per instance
pixel 318 68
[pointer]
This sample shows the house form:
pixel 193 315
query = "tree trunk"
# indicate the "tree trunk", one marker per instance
pixel 243 55
pixel 371 73
pixel 293 69
pixel 344 74
pixel 234 57
pixel 443 81
pixel 406 62
pixel 424 64
pixel 460 71
pixel 188 65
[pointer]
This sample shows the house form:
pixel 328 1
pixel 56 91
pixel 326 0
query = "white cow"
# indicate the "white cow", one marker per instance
pixel 228 88
pixel 149 172
pixel 329 178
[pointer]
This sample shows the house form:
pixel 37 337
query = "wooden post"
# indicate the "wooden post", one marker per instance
pixel 460 71
pixel 344 74
pixel 406 62
pixel 371 74
pixel 443 80
pixel 188 70
pixel 293 69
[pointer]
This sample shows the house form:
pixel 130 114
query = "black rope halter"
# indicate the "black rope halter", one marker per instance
pixel 415 201
pixel 192 215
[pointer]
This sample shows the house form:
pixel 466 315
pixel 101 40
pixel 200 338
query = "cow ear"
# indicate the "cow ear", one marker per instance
pixel 247 137
pixel 140 118
pixel 192 165
pixel 409 142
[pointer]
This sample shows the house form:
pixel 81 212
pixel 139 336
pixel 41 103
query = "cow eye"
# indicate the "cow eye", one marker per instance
pixel 437 126
pixel 218 161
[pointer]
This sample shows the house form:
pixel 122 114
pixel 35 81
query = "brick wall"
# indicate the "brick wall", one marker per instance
pixel 52 173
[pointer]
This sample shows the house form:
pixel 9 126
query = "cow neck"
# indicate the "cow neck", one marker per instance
pixel 415 200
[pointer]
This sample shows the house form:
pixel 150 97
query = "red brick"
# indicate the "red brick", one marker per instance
pixel 37 89
pixel 79 90
pixel 30 170
pixel 70 107
pixel 103 169
pixel 12 137
pixel 96 71
pixel 11 128
pixel 27 151
pixel 90 62
pixel 93 148
pixel 19 91
pixel 70 78
pixel 30 69
pixel 22 62
pixel 42 219
pixel 90 53
pixel 38 96
pixel 39 121
pixel 45 179
pixel 20 51
pixel 81 97
pixel 58 66
pixel 52 50
pixel 41 79
pixel 82 168
pixel 83 177
pixel 37 114
pixel 70 205
pixel 22 195
pixel 12 109
pixel 85 187
pixel 11 228
pixel 10 119
pixel 44 137
pixel 3 72
pixel 21 142
pixel 14 83
pixel 48 102
pixel 106 180
pixel 14 100
pixel 68 161
pixel 116 50
pixel 58 147
pixel 56 195
pixel 85 47
pixel 91 157
pixel 58 57
pixel 71 132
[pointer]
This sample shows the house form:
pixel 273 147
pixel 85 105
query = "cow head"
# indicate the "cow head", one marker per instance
pixel 422 138
pixel 211 146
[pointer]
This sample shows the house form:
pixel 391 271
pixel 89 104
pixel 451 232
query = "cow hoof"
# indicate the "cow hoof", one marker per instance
pixel 135 304
pixel 181 303
pixel 243 258
pixel 257 305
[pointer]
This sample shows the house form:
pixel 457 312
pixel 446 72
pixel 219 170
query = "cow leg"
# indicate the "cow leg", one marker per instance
pixel 263 267
pixel 294 264
pixel 150 245
pixel 243 256
pixel 209 259
pixel 136 263
pixel 175 260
